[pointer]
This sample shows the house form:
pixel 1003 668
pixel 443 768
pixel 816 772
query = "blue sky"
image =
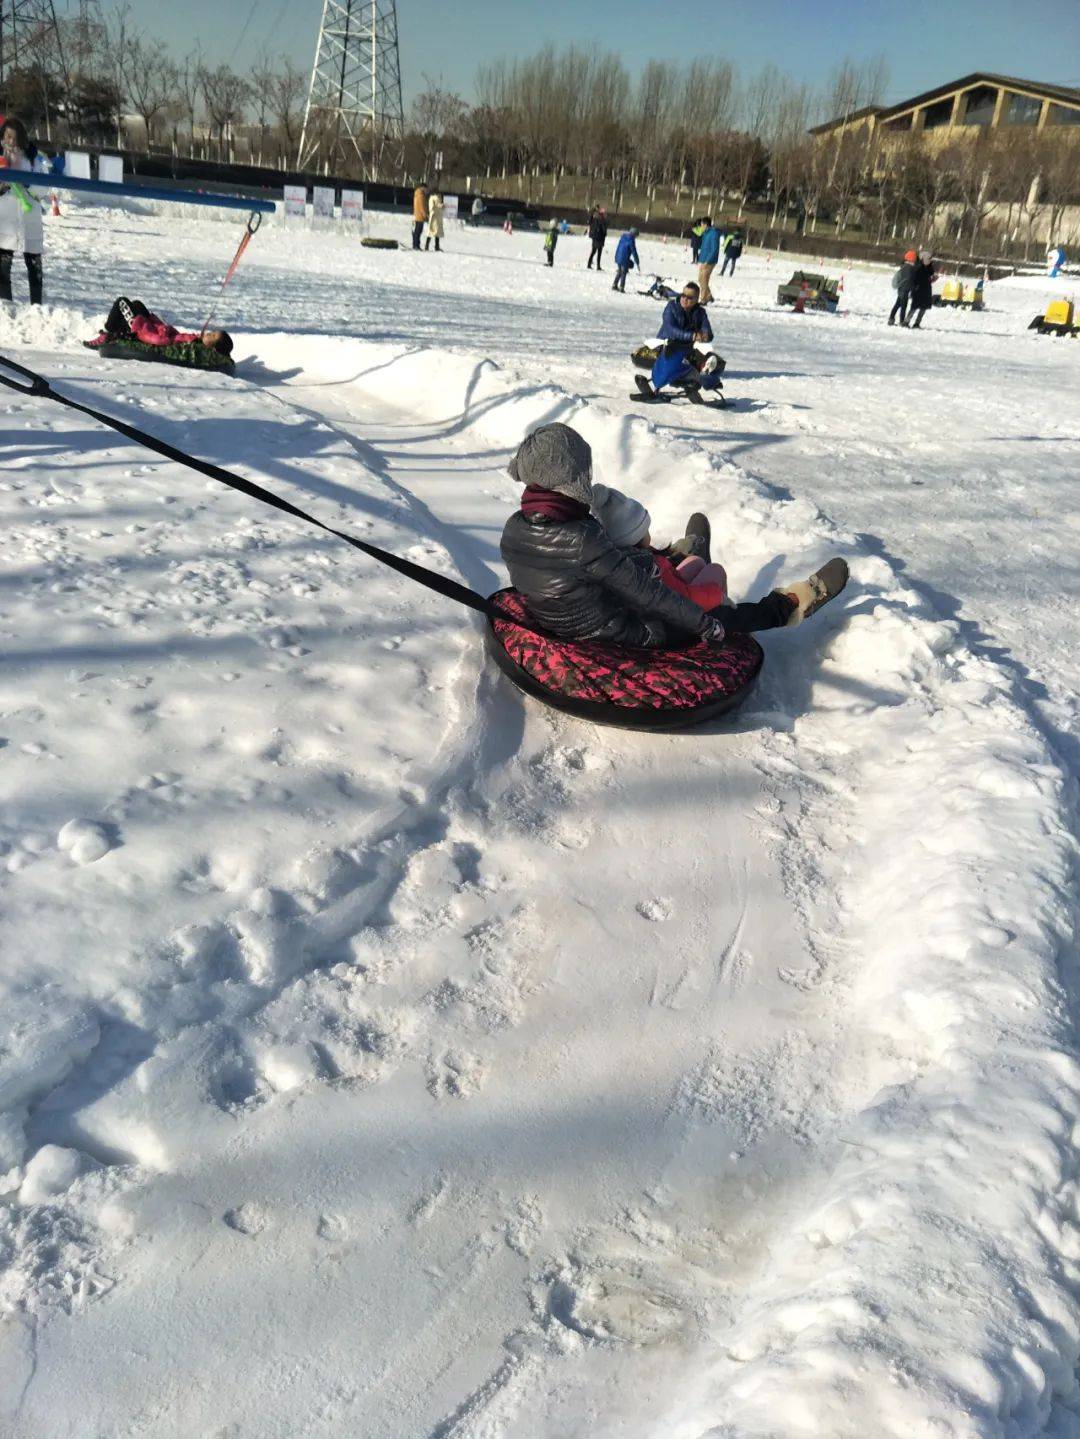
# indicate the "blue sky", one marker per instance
pixel 926 42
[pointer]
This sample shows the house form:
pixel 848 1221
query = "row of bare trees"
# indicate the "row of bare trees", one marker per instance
pixel 572 126
pixel 108 73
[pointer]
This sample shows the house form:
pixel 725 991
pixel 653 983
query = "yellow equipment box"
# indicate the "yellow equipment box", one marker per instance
pixel 1059 312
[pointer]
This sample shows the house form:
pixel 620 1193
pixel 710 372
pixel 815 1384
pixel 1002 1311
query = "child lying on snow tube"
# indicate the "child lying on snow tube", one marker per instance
pixel 619 626
pixel 130 320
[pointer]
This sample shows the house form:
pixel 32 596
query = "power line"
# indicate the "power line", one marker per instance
pixel 243 32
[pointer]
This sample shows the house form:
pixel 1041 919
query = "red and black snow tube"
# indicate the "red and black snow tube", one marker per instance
pixel 650 689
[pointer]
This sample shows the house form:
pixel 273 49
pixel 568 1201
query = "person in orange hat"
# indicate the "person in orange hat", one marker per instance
pixel 901 283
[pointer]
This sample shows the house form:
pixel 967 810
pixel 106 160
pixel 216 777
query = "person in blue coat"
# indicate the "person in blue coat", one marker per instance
pixel 708 255
pixel 683 325
pixel 626 257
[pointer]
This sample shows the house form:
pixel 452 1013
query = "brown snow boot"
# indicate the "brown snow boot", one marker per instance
pixel 822 586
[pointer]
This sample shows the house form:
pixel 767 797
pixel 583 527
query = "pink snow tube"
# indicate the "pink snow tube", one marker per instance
pixel 657 689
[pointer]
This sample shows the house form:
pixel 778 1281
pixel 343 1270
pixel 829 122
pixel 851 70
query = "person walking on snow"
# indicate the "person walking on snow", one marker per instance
pixel 626 257
pixel 21 229
pixel 551 239
pixel 598 235
pixel 708 255
pixel 697 229
pixel 732 251
pixel 923 275
pixel 435 224
pixel 901 283
pixel 419 214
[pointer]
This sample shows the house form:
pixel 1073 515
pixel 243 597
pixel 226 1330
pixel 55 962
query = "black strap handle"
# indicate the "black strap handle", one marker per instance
pixel 38 386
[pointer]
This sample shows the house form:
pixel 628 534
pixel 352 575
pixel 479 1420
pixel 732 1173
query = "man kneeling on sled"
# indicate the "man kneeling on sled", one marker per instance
pixel 685 324
pixel 131 320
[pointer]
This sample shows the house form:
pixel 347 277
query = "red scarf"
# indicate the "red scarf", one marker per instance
pixel 551 505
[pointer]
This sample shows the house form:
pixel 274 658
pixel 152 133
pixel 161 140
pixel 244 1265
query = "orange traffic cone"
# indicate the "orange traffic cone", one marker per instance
pixel 55 204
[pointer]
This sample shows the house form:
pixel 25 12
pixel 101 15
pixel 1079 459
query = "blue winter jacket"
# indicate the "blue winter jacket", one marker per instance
pixel 682 325
pixel 710 247
pixel 626 255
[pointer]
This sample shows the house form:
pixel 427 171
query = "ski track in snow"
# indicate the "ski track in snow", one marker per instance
pixel 387 1055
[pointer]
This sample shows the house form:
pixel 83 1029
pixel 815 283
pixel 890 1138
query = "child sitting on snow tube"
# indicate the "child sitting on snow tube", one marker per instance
pixel 687 569
pixel 131 320
pixel 628 524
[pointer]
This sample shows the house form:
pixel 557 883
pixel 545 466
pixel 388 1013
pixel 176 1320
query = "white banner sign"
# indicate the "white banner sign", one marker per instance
pixel 322 203
pixel 451 203
pixel 110 168
pixel 77 165
pixel 352 204
pixel 295 201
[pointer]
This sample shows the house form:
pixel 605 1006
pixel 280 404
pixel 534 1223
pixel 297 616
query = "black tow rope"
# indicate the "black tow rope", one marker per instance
pixel 37 386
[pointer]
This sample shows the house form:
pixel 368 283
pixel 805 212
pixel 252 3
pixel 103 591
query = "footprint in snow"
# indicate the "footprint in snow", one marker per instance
pixel 656 910
pixel 85 840
pixel 455 1074
pixel 332 1227
pixel 250 1219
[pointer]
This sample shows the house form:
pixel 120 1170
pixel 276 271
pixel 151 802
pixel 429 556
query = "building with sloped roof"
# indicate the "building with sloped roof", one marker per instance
pixel 975 103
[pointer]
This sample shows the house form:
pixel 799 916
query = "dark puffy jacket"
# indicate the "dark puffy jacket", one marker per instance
pixel 734 247
pixel 582 587
pixel 682 325
pixel 902 278
pixel 922 296
pixel 597 230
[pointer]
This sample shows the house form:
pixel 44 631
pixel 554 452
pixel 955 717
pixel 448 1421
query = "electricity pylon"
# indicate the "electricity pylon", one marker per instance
pixel 354 105
pixel 29 37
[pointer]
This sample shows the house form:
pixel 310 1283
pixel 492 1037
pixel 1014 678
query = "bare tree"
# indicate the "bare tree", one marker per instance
pixel 224 95
pixel 438 117
pixel 150 80
pixel 288 89
pixel 189 89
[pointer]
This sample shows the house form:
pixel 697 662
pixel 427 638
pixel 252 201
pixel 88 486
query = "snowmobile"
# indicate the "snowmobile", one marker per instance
pixel 659 290
pixel 689 372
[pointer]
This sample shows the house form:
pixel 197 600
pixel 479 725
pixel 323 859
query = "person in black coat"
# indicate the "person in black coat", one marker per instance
pixel 902 286
pixel 732 250
pixel 597 234
pixel 577 584
pixel 922 296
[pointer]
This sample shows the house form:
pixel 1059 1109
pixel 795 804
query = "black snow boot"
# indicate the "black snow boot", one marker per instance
pixel 698 538
pixel 645 388
pixel 822 586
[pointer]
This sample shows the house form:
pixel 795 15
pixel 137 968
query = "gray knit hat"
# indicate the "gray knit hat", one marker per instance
pixel 555 457
pixel 626 520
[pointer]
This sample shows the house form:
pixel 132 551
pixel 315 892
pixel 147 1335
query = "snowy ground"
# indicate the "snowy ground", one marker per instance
pixel 384 1055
